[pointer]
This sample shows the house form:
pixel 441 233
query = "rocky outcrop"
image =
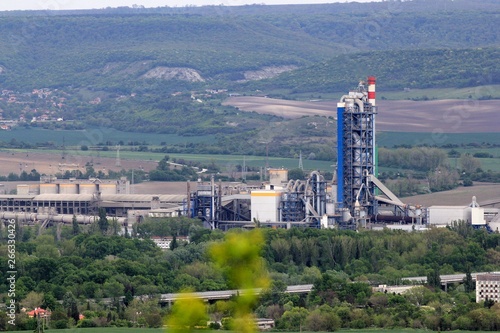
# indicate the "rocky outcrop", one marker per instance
pixel 171 73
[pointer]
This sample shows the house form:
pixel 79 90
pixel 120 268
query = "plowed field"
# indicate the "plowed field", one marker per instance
pixel 439 116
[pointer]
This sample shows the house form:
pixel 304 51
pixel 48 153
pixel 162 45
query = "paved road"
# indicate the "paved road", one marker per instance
pixel 444 278
pixel 225 294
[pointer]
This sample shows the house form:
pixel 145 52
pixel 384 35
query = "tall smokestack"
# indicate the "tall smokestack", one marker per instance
pixel 371 100
pixel 371 90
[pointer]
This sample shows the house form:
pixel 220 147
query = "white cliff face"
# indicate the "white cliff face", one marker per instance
pixel 170 73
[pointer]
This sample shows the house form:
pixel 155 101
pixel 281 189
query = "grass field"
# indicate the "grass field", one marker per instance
pixel 158 330
pixel 492 164
pixel 390 139
pixel 487 91
pixel 94 136
pixel 487 164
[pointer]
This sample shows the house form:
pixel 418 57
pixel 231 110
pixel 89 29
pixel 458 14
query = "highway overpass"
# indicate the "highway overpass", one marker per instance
pixel 451 278
pixel 303 288
pixel 226 294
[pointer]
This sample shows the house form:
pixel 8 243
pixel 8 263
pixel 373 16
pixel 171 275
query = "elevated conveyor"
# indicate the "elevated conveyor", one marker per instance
pixel 392 198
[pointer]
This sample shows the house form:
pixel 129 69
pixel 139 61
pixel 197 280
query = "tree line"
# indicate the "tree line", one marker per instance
pixel 89 265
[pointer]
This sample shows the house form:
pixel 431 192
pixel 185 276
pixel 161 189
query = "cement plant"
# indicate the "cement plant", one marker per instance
pixel 355 198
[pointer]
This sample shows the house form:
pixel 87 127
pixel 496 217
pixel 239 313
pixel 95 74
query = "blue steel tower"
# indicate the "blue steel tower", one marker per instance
pixel 356 150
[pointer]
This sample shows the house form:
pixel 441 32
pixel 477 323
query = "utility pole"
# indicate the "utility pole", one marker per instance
pixel 63 150
pixel 243 170
pixel 118 161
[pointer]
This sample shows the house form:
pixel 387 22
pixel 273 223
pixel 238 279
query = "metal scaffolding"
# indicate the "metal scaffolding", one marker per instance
pixel 356 150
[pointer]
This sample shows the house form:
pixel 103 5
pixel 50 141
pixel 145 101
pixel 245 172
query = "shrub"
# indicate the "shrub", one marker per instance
pixel 214 326
pixel 85 323
pixel 60 324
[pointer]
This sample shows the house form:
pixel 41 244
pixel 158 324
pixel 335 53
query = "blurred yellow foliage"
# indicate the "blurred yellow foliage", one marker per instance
pixel 188 312
pixel 239 257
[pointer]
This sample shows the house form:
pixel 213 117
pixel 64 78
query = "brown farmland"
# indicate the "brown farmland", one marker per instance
pixel 460 196
pixel 50 163
pixel 443 116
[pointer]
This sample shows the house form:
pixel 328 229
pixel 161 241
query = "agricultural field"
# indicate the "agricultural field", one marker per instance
pixel 460 196
pixel 111 330
pixel 413 118
pixel 51 161
pixel 390 139
pixel 435 118
pixel 487 164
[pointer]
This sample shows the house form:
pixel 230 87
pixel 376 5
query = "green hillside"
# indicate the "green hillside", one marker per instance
pixel 396 70
pixel 113 49
pixel 103 50
pixel 168 70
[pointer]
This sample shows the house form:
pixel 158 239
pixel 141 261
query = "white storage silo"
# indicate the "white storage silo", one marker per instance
pixel 88 188
pixel 265 205
pixel 48 188
pixel 68 188
pixel 107 188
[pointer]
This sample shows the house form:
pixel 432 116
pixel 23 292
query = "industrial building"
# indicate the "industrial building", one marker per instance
pixel 445 215
pixel 349 201
pixel 353 199
pixel 488 287
pixel 52 185
pixel 54 200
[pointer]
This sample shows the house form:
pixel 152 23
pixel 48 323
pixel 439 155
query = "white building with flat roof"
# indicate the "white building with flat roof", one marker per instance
pixel 488 287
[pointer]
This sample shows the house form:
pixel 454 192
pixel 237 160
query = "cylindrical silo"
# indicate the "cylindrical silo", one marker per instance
pixel 88 188
pixel 68 188
pixel 107 188
pixel 48 188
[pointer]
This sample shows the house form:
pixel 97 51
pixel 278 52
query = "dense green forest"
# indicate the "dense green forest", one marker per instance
pixel 395 70
pixel 82 267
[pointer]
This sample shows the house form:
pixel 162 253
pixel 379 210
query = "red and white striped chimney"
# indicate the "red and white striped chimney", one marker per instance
pixel 371 90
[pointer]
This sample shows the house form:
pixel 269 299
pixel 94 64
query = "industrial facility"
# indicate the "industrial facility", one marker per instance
pixel 353 199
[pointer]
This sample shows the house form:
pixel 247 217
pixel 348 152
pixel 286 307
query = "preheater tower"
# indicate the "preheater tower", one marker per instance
pixel 356 149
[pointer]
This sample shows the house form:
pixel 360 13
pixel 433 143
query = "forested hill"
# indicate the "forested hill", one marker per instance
pixel 101 48
pixel 168 69
pixel 395 70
